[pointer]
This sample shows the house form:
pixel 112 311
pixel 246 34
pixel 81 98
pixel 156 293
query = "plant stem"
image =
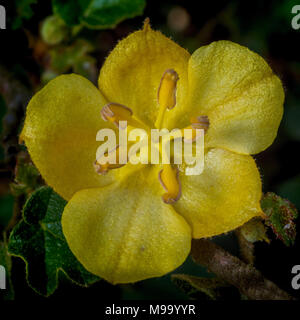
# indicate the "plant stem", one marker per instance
pixel 245 277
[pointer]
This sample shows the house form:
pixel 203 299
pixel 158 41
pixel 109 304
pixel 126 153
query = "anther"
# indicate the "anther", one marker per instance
pixel 166 94
pixel 200 122
pixel 115 113
pixel 102 165
pixel 169 179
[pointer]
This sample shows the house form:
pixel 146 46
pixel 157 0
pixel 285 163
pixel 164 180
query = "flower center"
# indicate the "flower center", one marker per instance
pixel 166 97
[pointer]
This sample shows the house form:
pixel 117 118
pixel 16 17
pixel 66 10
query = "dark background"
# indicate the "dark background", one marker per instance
pixel 263 26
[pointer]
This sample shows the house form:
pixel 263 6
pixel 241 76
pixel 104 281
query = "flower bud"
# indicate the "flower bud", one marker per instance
pixel 54 30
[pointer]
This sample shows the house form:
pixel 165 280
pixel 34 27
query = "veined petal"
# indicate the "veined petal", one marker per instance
pixel 225 196
pixel 60 129
pixel 132 72
pixel 125 232
pixel 238 92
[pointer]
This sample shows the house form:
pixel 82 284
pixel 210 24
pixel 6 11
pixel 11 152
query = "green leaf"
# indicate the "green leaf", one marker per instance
pixel 5 261
pixel 38 239
pixel 108 13
pixel 70 11
pixel 97 14
pixel 280 215
pixel 199 288
pixel 24 12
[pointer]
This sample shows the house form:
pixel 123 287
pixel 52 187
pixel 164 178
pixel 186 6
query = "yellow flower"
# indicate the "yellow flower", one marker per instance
pixel 117 224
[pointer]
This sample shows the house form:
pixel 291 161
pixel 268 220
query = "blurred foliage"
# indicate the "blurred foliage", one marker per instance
pixel 291 189
pixel 6 206
pixel 54 30
pixel 24 11
pixel 74 57
pixel 2 113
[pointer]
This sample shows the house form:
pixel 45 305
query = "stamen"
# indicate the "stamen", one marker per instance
pixel 115 112
pixel 169 179
pixel 103 168
pixel 201 122
pixel 166 95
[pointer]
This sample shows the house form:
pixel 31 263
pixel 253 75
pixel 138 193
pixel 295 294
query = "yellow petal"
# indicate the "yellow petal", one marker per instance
pixel 223 197
pixel 60 130
pixel 125 232
pixel 132 72
pixel 238 92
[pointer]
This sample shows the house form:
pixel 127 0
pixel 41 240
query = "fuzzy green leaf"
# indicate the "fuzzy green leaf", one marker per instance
pixel 97 14
pixel 280 215
pixel 38 239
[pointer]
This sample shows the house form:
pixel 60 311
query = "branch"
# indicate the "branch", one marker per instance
pixel 244 276
pixel 246 248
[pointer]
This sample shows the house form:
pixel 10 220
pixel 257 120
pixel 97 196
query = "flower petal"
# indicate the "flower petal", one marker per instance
pixel 60 130
pixel 132 72
pixel 125 232
pixel 238 92
pixel 225 196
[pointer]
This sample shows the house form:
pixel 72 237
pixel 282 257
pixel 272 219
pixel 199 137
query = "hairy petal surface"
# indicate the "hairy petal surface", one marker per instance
pixel 238 92
pixel 60 129
pixel 132 72
pixel 125 232
pixel 225 196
